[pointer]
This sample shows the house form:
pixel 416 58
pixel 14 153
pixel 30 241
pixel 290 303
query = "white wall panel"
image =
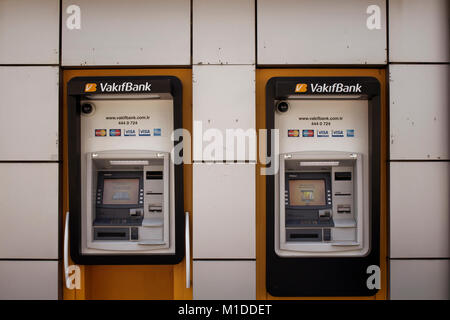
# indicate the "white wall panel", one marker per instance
pixel 29 113
pixel 224 210
pixel 319 32
pixel 420 209
pixel 29 211
pixel 223 32
pixel 28 280
pixel 119 32
pixel 419 112
pixel 420 279
pixel 223 98
pixel 224 280
pixel 29 32
pixel 419 31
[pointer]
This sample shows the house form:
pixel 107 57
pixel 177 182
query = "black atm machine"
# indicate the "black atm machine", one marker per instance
pixel 125 191
pixel 323 204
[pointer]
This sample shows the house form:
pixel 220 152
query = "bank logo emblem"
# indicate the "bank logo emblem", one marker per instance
pixel 308 133
pixel 115 132
pixel 90 87
pixel 301 87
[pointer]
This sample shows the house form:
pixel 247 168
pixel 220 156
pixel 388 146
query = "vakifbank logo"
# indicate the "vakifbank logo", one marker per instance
pixel 90 87
pixel 301 87
pixel 118 87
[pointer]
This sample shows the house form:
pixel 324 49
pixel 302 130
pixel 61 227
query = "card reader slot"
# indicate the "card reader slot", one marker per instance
pixel 342 208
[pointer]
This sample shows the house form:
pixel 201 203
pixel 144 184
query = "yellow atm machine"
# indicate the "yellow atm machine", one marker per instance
pixel 323 203
pixel 125 188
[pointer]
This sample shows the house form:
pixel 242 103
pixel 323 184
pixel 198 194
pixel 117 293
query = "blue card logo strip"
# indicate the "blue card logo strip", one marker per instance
pixel 350 132
pixel 157 132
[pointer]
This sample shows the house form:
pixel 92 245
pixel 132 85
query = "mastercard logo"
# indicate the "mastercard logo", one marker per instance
pixel 301 87
pixel 100 132
pixel 90 87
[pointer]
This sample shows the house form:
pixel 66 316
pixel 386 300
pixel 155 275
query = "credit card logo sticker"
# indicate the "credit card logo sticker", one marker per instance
pixel 90 87
pixel 115 132
pixel 144 132
pixel 129 133
pixel 323 133
pixel 157 132
pixel 100 132
pixel 293 133
pixel 350 133
pixel 308 133
pixel 338 133
pixel 301 87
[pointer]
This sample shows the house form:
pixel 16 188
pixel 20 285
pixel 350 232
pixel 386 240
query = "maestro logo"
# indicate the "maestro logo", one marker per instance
pixel 301 87
pixel 90 87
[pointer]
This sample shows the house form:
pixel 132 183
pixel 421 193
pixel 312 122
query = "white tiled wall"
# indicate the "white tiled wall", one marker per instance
pixel 223 194
pixel 223 32
pixel 420 279
pixel 29 32
pixel 419 112
pixel 420 209
pixel 29 211
pixel 127 33
pixel 419 31
pixel 29 149
pixel 29 113
pixel 419 135
pixel 23 280
pixel 320 32
pixel 224 207
pixel 235 109
pixel 224 280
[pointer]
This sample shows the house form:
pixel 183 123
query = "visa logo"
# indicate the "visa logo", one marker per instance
pixel 336 88
pixel 337 133
pixel 129 132
pixel 115 132
pixel 323 133
pixel 144 132
pixel 308 133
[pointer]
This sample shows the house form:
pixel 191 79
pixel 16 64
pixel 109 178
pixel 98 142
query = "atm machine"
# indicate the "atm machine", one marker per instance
pixel 323 204
pixel 125 190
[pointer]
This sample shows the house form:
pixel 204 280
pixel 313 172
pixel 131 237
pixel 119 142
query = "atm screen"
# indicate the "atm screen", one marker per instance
pixel 121 191
pixel 307 192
